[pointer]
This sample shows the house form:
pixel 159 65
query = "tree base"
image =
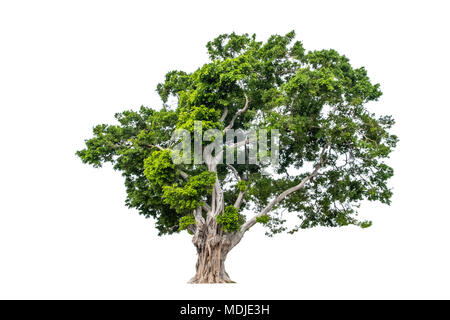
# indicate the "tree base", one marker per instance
pixel 212 250
pixel 210 266
pixel 196 280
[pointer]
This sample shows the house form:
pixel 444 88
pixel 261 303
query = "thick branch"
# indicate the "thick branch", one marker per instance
pixel 219 204
pixel 206 207
pixel 250 223
pixel 238 202
pixel 216 159
pixel 198 216
pixel 236 174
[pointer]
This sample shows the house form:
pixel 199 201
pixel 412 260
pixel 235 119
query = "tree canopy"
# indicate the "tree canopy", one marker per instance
pixel 332 155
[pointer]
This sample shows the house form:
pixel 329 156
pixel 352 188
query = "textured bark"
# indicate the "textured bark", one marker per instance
pixel 211 242
pixel 212 247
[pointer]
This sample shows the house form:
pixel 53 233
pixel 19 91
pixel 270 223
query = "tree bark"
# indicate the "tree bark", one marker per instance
pixel 212 250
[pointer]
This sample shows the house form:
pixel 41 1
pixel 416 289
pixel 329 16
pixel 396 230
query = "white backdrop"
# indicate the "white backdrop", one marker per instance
pixel 68 65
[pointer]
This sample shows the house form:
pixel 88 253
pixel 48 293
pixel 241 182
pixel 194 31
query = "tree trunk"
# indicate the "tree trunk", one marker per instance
pixel 212 250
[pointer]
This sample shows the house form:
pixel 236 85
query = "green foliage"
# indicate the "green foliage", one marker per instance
pixel 365 224
pixel 175 83
pixel 242 186
pixel 123 145
pixel 230 219
pixel 186 221
pixel 159 168
pixel 187 197
pixel 315 99
pixel 208 116
pixel 263 219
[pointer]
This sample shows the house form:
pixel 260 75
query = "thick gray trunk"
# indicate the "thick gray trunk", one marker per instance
pixel 212 247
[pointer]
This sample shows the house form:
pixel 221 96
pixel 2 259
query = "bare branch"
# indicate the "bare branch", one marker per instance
pixel 236 174
pixel 224 114
pixel 183 174
pixel 216 158
pixel 291 106
pixel 241 194
pixel 230 125
pixel 206 207
pixel 192 228
pixel 198 216
pixel 151 146
pixel 287 192
pixel 238 202
pixel 219 204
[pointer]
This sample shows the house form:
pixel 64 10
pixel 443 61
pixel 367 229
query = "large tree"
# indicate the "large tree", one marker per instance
pixel 331 157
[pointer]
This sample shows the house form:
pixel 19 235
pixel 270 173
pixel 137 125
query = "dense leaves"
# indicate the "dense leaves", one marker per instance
pixel 230 219
pixel 186 222
pixel 188 196
pixel 316 99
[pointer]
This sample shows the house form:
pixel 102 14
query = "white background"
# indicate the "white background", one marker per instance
pixel 68 65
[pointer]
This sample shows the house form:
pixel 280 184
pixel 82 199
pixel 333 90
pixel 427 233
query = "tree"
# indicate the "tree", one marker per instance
pixel 332 154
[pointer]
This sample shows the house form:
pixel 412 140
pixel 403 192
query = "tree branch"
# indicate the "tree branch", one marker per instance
pixel 198 217
pixel 192 228
pixel 236 174
pixel 224 115
pixel 250 223
pixel 230 125
pixel 241 194
pixel 214 160
pixel 151 146
pixel 206 207
pixel 219 204
pixel 238 202
pixel 291 107
pixel 183 174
